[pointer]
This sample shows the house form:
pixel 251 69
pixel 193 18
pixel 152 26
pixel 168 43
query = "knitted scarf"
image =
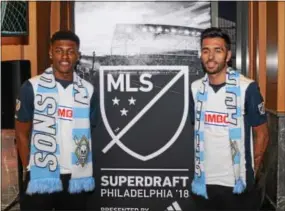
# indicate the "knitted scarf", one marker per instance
pixel 233 104
pixel 45 152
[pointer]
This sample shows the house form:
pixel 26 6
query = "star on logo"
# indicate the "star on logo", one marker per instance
pixel 124 112
pixel 132 101
pixel 115 101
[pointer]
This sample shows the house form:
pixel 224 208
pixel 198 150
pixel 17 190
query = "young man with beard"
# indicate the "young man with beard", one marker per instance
pixel 231 132
pixel 54 115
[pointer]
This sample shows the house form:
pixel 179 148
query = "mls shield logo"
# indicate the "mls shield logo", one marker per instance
pixel 144 108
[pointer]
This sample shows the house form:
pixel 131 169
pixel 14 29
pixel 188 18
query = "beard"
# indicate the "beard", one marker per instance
pixel 219 68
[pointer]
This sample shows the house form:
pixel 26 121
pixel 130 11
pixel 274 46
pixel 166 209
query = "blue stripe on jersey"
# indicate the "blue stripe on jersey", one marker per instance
pixel 201 135
pixel 237 158
pixel 234 90
pixel 235 133
pixel 81 112
pixel 46 90
pixel 201 96
pixel 238 113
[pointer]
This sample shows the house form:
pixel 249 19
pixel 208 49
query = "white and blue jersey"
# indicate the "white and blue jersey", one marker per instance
pixel 218 161
pixel 25 113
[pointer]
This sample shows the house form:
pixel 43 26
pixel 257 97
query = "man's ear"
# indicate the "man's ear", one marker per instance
pixel 79 55
pixel 229 55
pixel 50 53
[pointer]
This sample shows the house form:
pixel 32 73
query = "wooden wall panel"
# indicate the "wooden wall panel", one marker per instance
pixel 54 17
pixel 252 39
pixel 17 40
pixel 63 15
pixel 281 57
pixel 266 35
pixel 30 51
pixel 12 52
pixel 261 48
pixel 271 55
pixel 70 15
pixel 45 18
pixel 43 35
pixel 67 15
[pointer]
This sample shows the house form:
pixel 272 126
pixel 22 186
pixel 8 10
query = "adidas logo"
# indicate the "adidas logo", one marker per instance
pixel 174 207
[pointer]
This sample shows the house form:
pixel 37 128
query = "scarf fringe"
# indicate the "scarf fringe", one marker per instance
pixel 47 185
pixel 199 188
pixel 76 185
pixel 239 186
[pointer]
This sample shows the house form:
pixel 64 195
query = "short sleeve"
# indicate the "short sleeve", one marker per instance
pixel 254 106
pixel 25 103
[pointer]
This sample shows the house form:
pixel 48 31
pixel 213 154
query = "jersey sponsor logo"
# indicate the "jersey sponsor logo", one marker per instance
pixel 65 113
pixel 261 108
pixel 215 118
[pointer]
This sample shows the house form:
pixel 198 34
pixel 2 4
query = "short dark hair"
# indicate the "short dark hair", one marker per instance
pixel 214 32
pixel 65 35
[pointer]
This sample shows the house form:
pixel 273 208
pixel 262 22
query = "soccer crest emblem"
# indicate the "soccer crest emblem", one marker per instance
pixel 138 101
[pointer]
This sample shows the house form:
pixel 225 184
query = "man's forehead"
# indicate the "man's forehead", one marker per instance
pixel 64 44
pixel 217 42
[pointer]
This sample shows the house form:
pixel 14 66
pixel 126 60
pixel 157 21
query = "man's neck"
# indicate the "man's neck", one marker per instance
pixel 63 76
pixel 218 78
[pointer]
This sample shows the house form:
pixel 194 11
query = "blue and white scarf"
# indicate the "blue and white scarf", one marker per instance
pixel 44 153
pixel 233 104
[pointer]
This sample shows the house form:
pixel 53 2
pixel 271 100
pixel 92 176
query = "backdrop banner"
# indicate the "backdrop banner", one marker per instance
pixel 143 143
pixel 142 58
